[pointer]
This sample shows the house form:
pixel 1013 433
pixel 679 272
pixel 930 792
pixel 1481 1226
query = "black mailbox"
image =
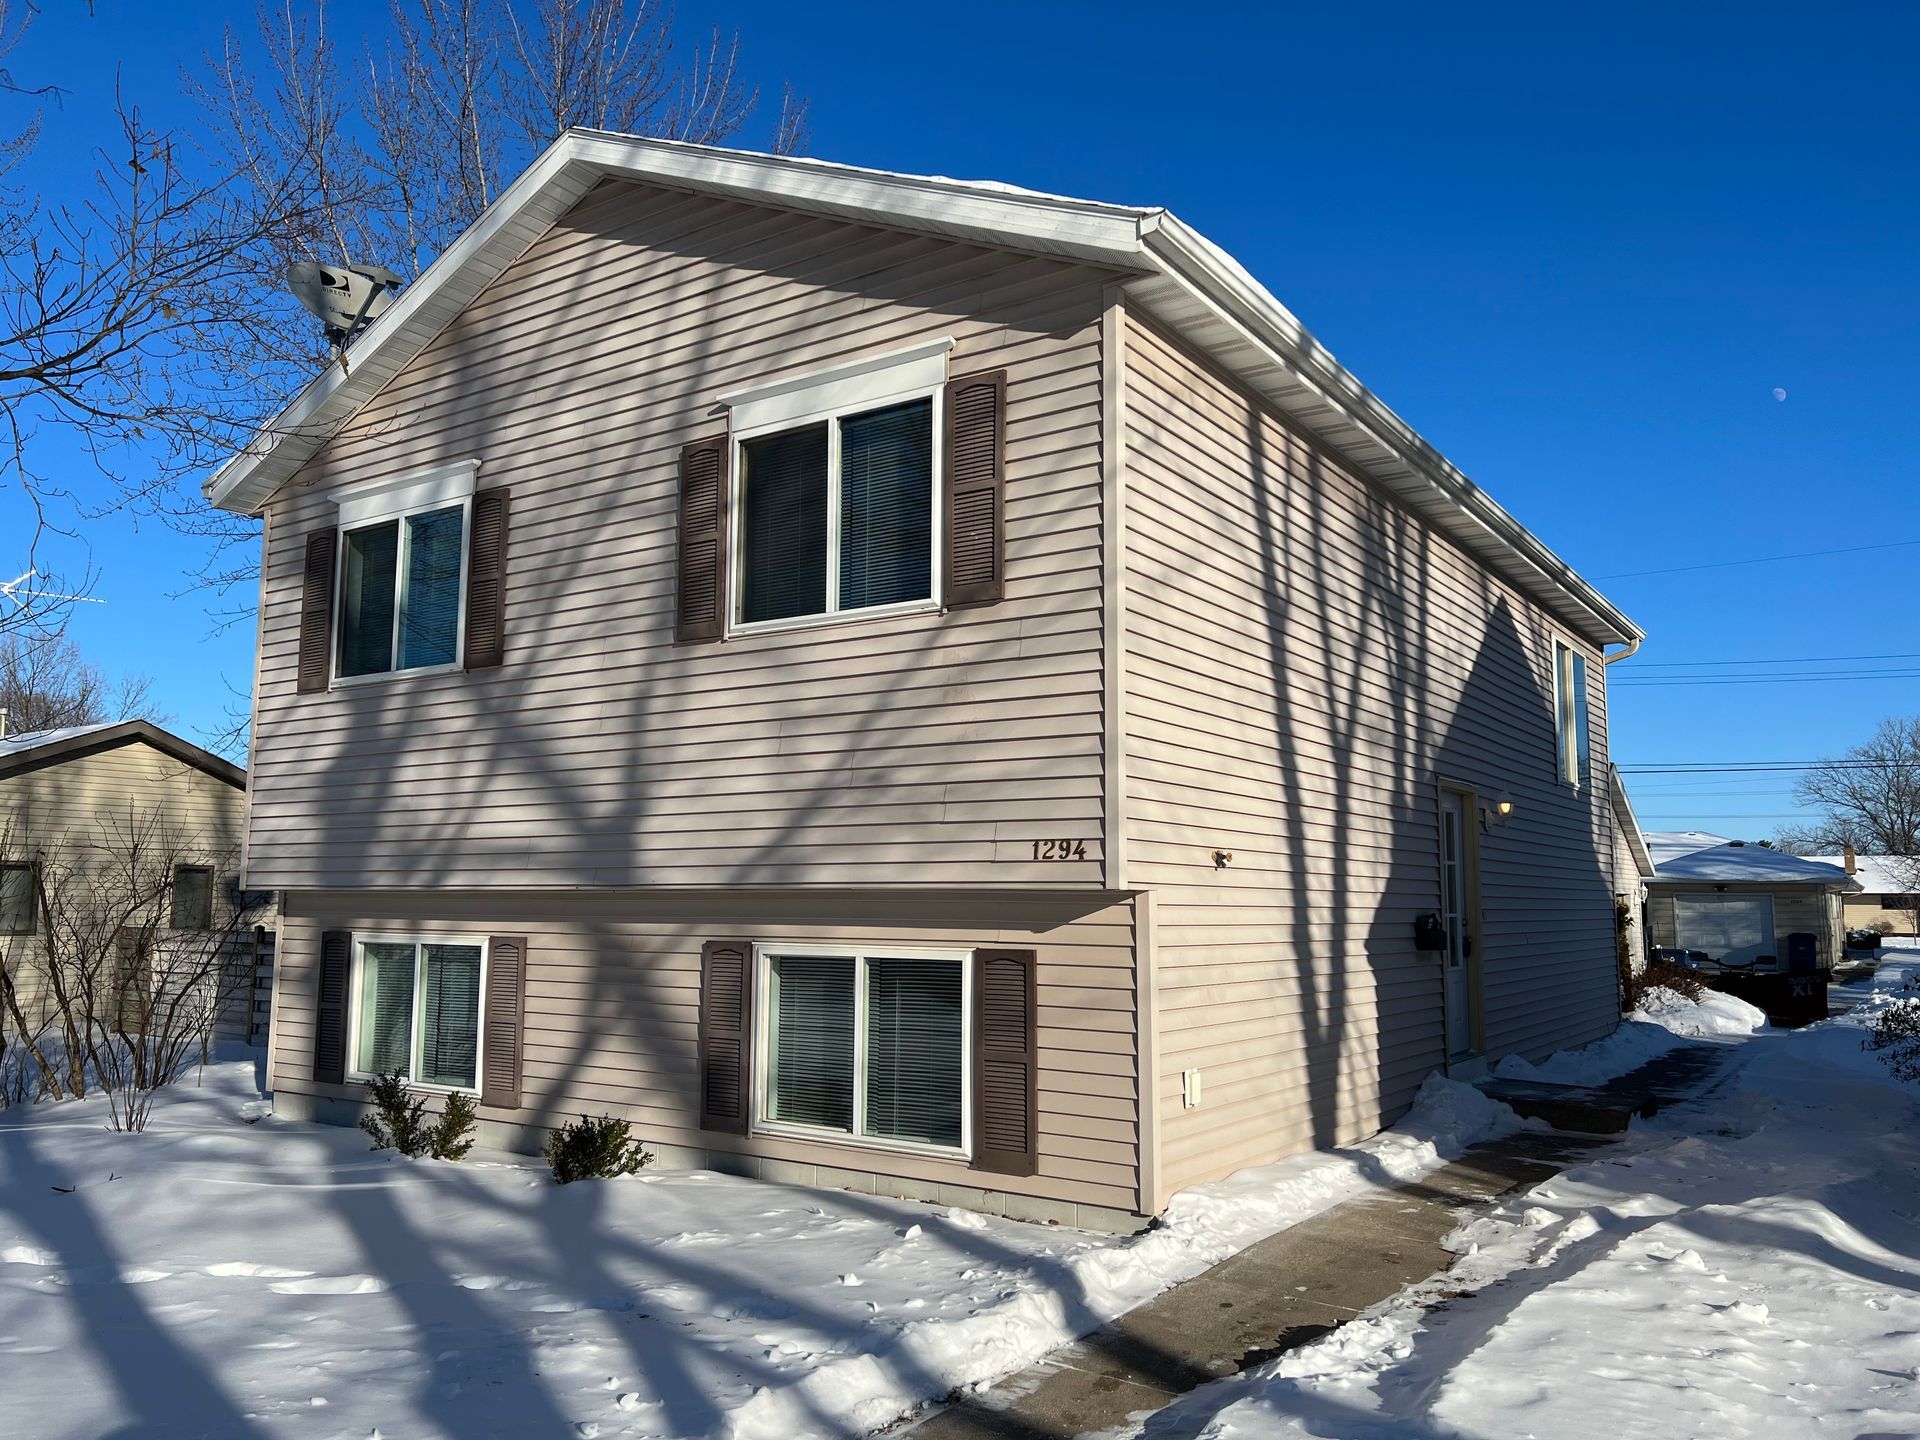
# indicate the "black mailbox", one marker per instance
pixel 1429 932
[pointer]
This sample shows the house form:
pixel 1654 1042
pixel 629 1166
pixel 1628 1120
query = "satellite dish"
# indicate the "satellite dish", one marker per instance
pixel 344 297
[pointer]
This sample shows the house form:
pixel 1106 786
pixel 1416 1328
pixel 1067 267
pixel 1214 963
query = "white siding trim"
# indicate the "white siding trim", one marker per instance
pixel 872 381
pixel 1113 548
pixel 366 501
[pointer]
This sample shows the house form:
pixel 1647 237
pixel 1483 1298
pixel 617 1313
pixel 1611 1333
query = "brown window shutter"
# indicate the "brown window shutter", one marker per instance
pixel 505 1024
pixel 487 580
pixel 976 473
pixel 726 1020
pixel 316 612
pixel 330 1008
pixel 1006 1062
pixel 702 601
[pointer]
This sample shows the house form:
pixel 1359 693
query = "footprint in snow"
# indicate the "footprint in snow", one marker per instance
pixel 239 1268
pixel 331 1285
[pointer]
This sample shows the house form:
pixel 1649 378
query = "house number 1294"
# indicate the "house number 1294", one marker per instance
pixel 1059 849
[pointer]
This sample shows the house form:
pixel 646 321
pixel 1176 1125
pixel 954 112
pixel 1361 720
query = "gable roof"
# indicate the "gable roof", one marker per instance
pixel 1629 824
pixel 41 748
pixel 1697 855
pixel 1879 874
pixel 1171 272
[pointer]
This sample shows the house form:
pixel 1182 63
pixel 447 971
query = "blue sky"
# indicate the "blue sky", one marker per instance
pixel 1581 249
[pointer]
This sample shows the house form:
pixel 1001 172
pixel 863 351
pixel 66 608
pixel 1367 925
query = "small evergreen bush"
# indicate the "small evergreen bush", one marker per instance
pixel 589 1149
pixel 453 1134
pixel 1895 1034
pixel 399 1121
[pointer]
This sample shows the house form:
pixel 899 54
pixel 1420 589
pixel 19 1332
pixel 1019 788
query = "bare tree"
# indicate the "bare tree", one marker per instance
pixel 126 328
pixel 47 684
pixel 1870 796
pixel 138 947
pixel 387 154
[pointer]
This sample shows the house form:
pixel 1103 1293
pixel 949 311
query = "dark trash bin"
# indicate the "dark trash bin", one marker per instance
pixel 1790 998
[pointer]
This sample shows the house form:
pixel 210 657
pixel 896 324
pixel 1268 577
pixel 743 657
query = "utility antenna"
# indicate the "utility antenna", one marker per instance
pixel 10 590
pixel 345 298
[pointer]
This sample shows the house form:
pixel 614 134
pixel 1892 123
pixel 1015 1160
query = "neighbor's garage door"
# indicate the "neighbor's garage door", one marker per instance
pixel 1734 928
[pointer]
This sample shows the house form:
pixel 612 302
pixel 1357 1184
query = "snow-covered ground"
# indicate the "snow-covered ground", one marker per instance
pixel 1748 1265
pixel 227 1274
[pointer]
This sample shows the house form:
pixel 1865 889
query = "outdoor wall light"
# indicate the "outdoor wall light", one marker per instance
pixel 1499 812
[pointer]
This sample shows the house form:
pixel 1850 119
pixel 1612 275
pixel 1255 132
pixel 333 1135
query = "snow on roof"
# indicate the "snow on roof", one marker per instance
pixel 1698 855
pixel 32 740
pixel 1880 874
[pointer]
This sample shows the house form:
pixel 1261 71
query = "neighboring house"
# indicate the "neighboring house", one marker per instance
pixel 1632 872
pixel 1740 903
pixel 1889 894
pixel 103 804
pixel 906 684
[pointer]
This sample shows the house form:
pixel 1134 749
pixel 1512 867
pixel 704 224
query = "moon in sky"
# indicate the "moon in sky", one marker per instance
pixel 1778 393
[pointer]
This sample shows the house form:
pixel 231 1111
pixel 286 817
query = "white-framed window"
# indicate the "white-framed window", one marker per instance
pixel 836 492
pixel 402 581
pixel 18 911
pixel 865 1045
pixel 414 1006
pixel 1570 715
pixel 192 907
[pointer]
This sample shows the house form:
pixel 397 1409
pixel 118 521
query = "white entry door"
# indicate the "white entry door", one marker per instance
pixel 1456 890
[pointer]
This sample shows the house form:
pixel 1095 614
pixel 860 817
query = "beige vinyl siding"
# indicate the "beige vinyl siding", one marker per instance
pixel 919 750
pixel 1796 909
pixel 612 1000
pixel 1304 664
pixel 100 800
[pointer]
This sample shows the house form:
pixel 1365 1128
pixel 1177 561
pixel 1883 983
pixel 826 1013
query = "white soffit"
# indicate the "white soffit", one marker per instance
pixel 1173 274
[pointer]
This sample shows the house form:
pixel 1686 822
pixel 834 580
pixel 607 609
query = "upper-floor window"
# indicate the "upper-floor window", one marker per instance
pixel 1570 715
pixel 192 898
pixel 403 563
pixel 836 482
pixel 17 912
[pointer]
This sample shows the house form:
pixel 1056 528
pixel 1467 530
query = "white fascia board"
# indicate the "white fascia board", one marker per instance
pixel 1005 217
pixel 1218 281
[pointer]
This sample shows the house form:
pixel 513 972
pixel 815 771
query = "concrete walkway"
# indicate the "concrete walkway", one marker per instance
pixel 1282 1292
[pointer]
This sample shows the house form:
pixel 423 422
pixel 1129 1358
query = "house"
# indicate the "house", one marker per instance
pixel 1889 893
pixel 1632 873
pixel 129 836
pixel 906 684
pixel 1742 903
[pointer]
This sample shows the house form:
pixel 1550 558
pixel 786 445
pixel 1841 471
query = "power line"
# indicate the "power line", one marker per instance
pixel 1657 681
pixel 1760 560
pixel 1778 660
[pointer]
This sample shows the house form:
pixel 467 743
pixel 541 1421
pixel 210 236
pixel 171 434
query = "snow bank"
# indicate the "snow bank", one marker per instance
pixel 1201 1227
pixel 1747 1268
pixel 1664 1020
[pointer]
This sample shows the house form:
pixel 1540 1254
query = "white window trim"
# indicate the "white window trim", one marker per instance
pixel 365 501
pixel 415 1032
pixel 403 554
pixel 763 1124
pixel 1566 737
pixel 830 396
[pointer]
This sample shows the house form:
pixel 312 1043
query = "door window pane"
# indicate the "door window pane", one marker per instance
pixel 886 506
pixel 430 621
pixel 914 1050
pixel 367 578
pixel 784 512
pixel 450 1015
pixel 386 1008
pixel 810 1067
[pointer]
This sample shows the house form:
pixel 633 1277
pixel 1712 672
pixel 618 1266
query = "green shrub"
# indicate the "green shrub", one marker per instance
pixel 453 1133
pixel 399 1121
pixel 589 1149
pixel 1895 1034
